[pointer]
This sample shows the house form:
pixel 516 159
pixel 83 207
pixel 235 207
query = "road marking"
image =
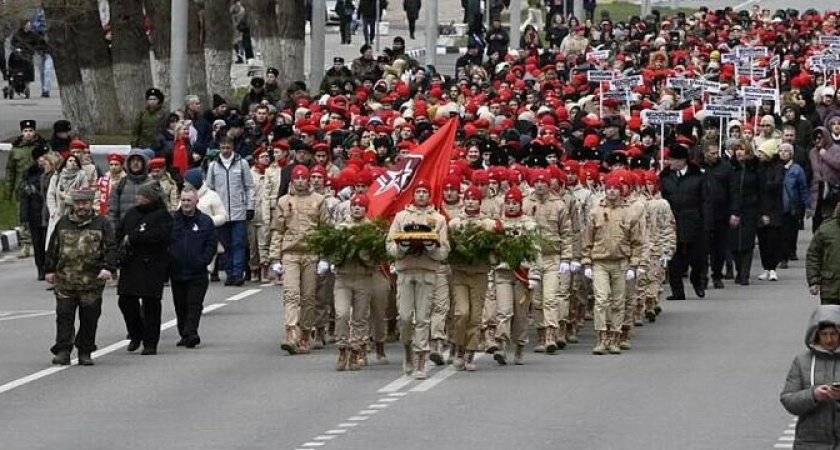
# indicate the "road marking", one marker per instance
pixel 434 381
pixel 14 384
pixel 347 425
pixel 243 295
pixel 790 431
pixel 388 399
pixel 378 406
pixel 788 436
pixel 337 431
pixel 359 418
pixel 398 394
pixel 783 446
pixel 368 412
pixel 313 444
pixel 10 315
pixel 397 384
pixel 325 437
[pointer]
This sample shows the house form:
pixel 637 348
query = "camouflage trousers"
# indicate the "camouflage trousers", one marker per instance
pixel 89 305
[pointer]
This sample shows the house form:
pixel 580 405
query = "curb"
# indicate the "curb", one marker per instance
pixel 10 240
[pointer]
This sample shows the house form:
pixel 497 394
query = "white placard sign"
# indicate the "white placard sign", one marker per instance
pixel 724 111
pixel 598 55
pixel 662 117
pixel 751 52
pixel 752 93
pixel 628 82
pixel 599 75
pixel 679 83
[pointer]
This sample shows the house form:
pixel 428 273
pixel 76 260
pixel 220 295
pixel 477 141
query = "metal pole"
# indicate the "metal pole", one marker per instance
pixel 317 43
pixel 487 14
pixel 515 19
pixel 376 25
pixel 577 10
pixel 431 32
pixel 178 55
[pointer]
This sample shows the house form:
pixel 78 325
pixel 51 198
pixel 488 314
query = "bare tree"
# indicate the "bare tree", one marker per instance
pixel 159 14
pixel 291 32
pixel 130 55
pixel 197 73
pixel 218 37
pixel 262 16
pixel 83 66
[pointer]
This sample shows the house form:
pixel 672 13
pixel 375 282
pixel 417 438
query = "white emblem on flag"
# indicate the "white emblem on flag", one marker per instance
pixel 402 175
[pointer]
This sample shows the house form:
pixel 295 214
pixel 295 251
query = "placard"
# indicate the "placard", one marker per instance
pixel 751 52
pixel 679 83
pixel 599 75
pixel 599 55
pixel 752 93
pixel 724 111
pixel 628 82
pixel 662 117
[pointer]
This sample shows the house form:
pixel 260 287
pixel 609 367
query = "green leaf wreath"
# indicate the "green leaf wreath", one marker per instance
pixel 517 246
pixel 365 242
pixel 472 245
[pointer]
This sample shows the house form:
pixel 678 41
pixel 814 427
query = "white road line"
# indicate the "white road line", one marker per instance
pixel 790 431
pixel 783 446
pixel 368 412
pixel 337 431
pixel 325 437
pixel 313 444
pixel 398 394
pixel 434 381
pixel 348 424
pixel 378 406
pixel 26 316
pixel 14 384
pixel 388 399
pixel 397 384
pixel 242 295
pixel 786 438
pixel 358 418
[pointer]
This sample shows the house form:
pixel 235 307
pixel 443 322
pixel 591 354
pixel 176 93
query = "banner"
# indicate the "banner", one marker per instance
pixel 392 191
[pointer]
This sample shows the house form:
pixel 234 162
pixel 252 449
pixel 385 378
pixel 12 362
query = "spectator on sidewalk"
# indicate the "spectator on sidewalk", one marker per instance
pixel 148 123
pixel 345 9
pixel 412 13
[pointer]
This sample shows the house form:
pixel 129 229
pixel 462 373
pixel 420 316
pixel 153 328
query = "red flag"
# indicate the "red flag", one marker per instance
pixel 392 191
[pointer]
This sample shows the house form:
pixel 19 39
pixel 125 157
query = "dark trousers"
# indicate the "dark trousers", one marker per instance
pixel 412 26
pixel 770 246
pixel 346 29
pixel 142 320
pixel 369 29
pixel 688 254
pixel 234 238
pixel 718 240
pixel 39 245
pixel 790 234
pixel 89 304
pixel 743 263
pixel 188 297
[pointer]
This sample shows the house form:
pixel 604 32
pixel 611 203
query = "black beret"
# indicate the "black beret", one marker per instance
pixel 29 123
pixel 155 92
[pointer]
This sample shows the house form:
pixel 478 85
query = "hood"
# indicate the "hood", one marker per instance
pixel 142 154
pixel 732 124
pixel 824 313
pixel 832 115
pixel 796 110
pixel 824 133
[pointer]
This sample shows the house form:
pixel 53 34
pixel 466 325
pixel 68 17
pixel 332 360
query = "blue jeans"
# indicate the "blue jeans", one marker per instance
pixel 234 238
pixel 45 71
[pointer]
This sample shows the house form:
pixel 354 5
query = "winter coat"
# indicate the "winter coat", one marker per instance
pixel 818 427
pixel 78 250
pixel 772 182
pixel 744 195
pixel 825 168
pixel 211 204
pixel 295 217
pixel 717 182
pixel 342 75
pixel 33 198
pixel 362 67
pixel 147 126
pixel 612 234
pixel 124 193
pixel 554 219
pixel 144 259
pixel 20 160
pixel 412 9
pixel 795 188
pixel 498 41
pixel 427 260
pixel 193 245
pixel 689 200
pixel 234 185
pixel 822 266
pixel 803 126
pixel 367 8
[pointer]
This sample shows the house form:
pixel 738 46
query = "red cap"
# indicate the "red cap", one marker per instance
pixel 540 175
pixel 474 192
pixel 514 194
pixel 592 141
pixel 452 182
pixel 360 200
pixel 157 163
pixel 300 171
pixel 116 157
pixel 480 177
pixel 77 144
pixel 422 184
pixel 318 170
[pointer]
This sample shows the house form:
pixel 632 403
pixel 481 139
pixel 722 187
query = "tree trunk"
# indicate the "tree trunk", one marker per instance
pixel 217 48
pixel 83 66
pixel 196 73
pixel 130 54
pixel 158 13
pixel 262 16
pixel 291 31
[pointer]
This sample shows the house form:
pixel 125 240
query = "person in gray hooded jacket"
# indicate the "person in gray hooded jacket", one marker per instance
pixel 124 193
pixel 811 392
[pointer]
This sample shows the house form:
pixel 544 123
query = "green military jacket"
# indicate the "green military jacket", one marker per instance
pixel 147 126
pixel 78 250
pixel 20 160
pixel 822 266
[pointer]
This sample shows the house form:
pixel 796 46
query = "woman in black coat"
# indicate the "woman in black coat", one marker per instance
pixel 772 179
pixel 144 236
pixel 412 13
pixel 744 198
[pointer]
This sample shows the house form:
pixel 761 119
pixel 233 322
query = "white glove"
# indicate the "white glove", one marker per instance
pixel 533 284
pixel 430 247
pixel 105 275
pixel 587 272
pixel 563 268
pixel 640 272
pixel 631 275
pixel 575 266
pixel 323 267
pixel 663 260
pixel 346 193
pixel 278 268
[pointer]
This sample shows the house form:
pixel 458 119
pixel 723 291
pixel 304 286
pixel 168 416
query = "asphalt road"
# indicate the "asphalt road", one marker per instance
pixel 707 375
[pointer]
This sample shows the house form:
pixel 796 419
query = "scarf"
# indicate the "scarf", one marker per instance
pixel 69 179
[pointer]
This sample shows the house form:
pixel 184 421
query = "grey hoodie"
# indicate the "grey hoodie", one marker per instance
pixel 123 194
pixel 818 427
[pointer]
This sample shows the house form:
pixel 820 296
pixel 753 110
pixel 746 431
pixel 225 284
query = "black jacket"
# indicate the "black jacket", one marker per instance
pixel 32 198
pixel 744 199
pixel 689 202
pixel 772 181
pixel 412 8
pixel 717 181
pixel 192 246
pixel 144 259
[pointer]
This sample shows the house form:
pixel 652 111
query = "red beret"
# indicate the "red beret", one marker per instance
pixel 514 194
pixel 474 192
pixel 77 144
pixel 318 170
pixel 157 163
pixel 360 200
pixel 116 157
pixel 300 171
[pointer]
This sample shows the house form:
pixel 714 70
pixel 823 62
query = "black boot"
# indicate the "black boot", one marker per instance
pixel 85 359
pixel 62 358
pixel 729 271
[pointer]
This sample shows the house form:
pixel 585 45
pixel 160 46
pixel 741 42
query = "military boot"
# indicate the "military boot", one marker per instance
pixel 420 366
pixel 624 340
pixel 551 340
pixel 341 364
pixel 459 362
pixel 560 335
pixel 62 358
pixel 541 338
pixel 381 358
pixel 392 331
pixel 318 339
pixel 519 355
pixel 436 355
pixel 362 355
pixel 353 359
pixel 637 316
pixel 601 345
pixel 25 251
pixel 291 343
pixel 303 344
pixel 408 362
pixel 612 343
pixel 500 355
pixel 571 333
pixel 453 353
pixel 469 361
pixel 85 359
pixel 490 340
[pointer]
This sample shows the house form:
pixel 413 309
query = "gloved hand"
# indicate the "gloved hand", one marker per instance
pixel 587 272
pixel 323 267
pixel 104 275
pixel 249 215
pixel 575 266
pixel 278 268
pixel 663 260
pixel 533 284
pixel 563 268
pixel 640 272
pixel 429 245
pixel 346 193
pixel 630 275
pixel 404 246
